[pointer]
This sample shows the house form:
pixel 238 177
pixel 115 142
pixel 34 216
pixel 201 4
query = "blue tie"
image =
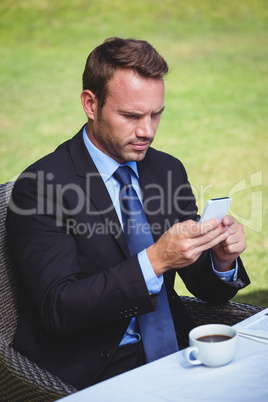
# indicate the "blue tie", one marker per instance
pixel 156 328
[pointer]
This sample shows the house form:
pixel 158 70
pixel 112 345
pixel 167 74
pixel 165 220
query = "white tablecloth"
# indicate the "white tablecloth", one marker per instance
pixel 173 379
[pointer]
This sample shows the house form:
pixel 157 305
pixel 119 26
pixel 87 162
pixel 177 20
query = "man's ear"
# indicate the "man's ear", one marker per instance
pixel 89 103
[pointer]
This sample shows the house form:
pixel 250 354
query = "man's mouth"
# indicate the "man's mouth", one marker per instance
pixel 140 146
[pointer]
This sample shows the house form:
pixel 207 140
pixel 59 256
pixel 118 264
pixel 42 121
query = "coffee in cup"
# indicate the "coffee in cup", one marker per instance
pixel 212 345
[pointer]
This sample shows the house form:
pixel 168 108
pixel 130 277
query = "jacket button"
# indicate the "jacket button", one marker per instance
pixel 105 355
pixel 136 311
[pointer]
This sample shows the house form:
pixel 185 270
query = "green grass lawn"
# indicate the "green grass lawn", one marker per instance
pixel 216 99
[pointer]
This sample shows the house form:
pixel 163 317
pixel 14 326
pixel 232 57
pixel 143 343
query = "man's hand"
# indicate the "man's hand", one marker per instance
pixel 184 242
pixel 225 253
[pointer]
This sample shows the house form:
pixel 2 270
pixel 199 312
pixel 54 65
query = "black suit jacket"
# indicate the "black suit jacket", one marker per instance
pixel 80 287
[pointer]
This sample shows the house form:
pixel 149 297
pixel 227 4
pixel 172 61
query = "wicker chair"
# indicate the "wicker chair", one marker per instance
pixel 22 380
pixel 229 313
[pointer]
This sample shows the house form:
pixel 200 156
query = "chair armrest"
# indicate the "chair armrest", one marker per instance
pixel 229 313
pixel 22 380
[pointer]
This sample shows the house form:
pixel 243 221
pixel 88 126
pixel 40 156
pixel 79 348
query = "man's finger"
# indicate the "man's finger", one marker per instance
pixel 208 226
pixel 228 220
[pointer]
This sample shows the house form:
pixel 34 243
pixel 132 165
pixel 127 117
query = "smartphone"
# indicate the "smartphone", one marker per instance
pixel 216 208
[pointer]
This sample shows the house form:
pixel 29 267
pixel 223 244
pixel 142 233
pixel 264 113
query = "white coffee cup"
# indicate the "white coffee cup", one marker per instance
pixel 208 352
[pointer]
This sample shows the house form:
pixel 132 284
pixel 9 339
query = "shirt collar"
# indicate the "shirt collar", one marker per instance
pixel 104 163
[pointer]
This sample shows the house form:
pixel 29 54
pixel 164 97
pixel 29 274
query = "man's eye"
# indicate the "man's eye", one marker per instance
pixel 132 116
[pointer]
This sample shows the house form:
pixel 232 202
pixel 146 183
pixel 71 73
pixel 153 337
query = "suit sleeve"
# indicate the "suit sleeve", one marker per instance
pixel 68 299
pixel 203 283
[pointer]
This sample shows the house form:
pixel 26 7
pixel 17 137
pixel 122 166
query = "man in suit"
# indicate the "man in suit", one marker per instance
pixel 83 292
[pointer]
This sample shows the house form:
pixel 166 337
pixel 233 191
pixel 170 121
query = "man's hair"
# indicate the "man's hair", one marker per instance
pixel 116 53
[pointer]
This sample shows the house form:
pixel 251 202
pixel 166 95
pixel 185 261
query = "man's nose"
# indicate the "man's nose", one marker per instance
pixel 145 128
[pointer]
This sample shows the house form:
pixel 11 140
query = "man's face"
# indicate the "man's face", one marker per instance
pixel 129 119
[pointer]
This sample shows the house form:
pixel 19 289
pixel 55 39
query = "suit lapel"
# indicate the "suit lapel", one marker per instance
pixel 93 185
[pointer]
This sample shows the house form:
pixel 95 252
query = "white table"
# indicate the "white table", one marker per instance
pixel 173 379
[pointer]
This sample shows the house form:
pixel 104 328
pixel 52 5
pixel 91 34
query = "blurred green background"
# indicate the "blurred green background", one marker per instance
pixel 216 100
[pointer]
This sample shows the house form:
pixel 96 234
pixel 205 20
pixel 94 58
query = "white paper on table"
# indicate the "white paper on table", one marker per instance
pixel 255 327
